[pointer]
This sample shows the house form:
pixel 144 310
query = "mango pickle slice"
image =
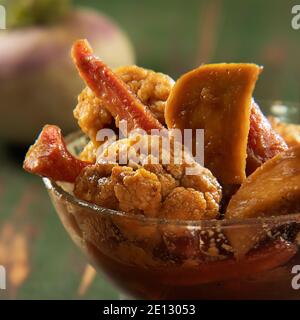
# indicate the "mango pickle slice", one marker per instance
pixel 272 190
pixel 217 98
pixel 49 157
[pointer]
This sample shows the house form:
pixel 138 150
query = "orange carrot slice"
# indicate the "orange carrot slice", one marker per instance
pixel 50 158
pixel 112 91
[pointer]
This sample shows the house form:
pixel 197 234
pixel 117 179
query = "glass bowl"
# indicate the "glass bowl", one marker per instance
pixel 150 258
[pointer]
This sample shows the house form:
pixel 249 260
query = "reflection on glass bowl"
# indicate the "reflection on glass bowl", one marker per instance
pixel 171 259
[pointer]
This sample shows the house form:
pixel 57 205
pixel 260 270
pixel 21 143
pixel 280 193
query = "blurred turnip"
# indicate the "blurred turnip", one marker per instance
pixel 38 83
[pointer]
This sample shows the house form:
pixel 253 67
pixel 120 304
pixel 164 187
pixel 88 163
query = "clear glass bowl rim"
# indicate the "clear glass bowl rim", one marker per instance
pixel 224 223
pixel 69 198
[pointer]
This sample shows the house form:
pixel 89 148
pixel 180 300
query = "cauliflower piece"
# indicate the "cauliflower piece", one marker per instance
pixel 139 190
pixel 186 204
pixel 91 115
pixel 95 185
pixel 152 88
pixel 168 183
pixel 206 183
pixel 89 152
pixel 151 187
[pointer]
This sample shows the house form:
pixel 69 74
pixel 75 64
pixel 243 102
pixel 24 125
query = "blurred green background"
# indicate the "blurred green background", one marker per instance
pixel 170 36
pixel 174 36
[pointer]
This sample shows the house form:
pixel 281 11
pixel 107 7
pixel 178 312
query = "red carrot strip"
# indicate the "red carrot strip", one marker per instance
pixel 263 141
pixel 114 93
pixel 50 158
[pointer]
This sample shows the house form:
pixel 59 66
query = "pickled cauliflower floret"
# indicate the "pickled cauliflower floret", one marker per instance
pixel 90 114
pixel 150 187
pixel 152 88
pixel 95 185
pixel 167 181
pixel 185 204
pixel 137 190
pixel 89 152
